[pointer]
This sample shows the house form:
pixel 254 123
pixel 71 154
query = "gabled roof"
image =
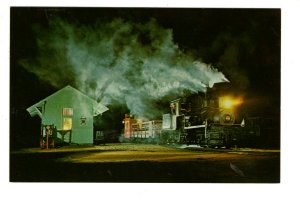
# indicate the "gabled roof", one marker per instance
pixel 97 107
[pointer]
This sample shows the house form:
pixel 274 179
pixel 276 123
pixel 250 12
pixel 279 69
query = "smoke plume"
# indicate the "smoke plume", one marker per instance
pixel 119 61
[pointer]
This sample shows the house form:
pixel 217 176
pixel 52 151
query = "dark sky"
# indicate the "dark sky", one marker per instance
pixel 244 44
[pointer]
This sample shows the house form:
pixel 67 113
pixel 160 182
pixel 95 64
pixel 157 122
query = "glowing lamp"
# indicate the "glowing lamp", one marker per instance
pixel 229 102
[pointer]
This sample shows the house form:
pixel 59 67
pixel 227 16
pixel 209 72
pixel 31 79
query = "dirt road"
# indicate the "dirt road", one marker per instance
pixel 145 163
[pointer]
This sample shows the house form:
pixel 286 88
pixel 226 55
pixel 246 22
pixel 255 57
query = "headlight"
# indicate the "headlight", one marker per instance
pixel 229 102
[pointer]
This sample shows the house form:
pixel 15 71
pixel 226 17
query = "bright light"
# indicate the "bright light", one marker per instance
pixel 229 102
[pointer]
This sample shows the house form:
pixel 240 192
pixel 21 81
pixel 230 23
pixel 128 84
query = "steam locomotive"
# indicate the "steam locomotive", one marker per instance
pixel 215 118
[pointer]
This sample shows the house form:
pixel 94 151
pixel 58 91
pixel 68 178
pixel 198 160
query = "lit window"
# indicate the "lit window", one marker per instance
pixel 67 124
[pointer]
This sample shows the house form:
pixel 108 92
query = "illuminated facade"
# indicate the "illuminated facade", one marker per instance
pixel 70 112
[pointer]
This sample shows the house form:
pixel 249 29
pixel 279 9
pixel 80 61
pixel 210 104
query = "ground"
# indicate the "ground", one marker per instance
pixel 145 163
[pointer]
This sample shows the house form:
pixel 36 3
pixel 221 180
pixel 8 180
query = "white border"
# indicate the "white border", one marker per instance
pixel 156 3
pixel 290 117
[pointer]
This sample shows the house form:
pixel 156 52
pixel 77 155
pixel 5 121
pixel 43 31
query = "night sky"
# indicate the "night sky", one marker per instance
pixel 243 44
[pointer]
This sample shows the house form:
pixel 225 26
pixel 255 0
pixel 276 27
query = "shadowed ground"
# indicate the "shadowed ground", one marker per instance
pixel 145 163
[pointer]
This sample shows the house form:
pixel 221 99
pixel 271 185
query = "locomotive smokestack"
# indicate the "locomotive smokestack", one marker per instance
pixel 120 61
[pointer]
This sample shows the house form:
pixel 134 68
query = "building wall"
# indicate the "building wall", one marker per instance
pixel 82 133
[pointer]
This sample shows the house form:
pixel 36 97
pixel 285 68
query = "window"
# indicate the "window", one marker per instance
pixel 67 111
pixel 67 118
pixel 67 123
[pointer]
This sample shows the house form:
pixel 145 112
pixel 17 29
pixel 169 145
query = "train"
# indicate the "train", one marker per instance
pixel 137 130
pixel 214 118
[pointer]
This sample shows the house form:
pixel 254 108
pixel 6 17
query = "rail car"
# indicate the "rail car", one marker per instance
pixel 137 130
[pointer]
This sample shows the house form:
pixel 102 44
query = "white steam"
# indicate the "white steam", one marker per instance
pixel 131 63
